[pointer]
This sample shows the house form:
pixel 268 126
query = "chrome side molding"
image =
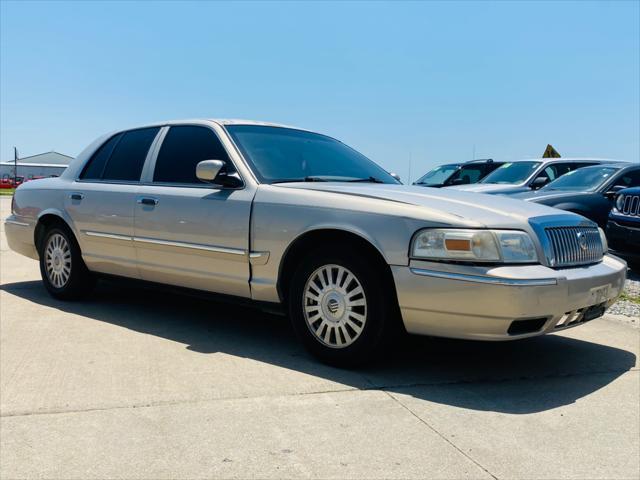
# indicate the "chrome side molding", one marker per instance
pixel 256 258
pixel 193 246
pixel 16 222
pixel 113 236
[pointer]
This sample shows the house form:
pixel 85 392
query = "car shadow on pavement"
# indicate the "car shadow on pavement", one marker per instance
pixel 518 377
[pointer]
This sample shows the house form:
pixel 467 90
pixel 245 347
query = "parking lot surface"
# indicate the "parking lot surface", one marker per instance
pixel 137 383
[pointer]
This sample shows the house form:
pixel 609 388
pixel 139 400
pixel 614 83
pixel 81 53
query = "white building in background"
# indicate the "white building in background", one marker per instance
pixel 41 165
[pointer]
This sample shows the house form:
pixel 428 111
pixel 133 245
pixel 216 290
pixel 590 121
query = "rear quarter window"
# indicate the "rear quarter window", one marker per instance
pixel 95 166
pixel 122 157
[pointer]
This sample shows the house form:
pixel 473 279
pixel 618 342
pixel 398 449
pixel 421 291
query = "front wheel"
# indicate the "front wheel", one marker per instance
pixel 339 307
pixel 64 274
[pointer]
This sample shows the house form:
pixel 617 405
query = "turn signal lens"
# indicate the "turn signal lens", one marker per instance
pixel 507 246
pixel 603 240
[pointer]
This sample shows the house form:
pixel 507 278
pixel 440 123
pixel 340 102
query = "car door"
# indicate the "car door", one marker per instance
pixel 186 232
pixel 101 202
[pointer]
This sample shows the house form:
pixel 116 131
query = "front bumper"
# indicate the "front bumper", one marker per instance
pixel 482 303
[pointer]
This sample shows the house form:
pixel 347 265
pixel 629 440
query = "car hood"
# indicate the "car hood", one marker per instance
pixel 493 188
pixel 454 206
pixel 550 195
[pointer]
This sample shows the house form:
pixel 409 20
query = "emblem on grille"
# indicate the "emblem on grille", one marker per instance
pixel 582 241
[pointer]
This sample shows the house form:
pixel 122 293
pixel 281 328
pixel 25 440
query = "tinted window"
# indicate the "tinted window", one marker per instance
pixel 630 179
pixel 94 168
pixel 128 157
pixel 182 149
pixel 490 167
pixel 283 154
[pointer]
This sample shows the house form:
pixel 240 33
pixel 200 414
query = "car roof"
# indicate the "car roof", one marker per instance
pixel 618 165
pixel 481 160
pixel 239 121
pixel 567 159
pixel 219 121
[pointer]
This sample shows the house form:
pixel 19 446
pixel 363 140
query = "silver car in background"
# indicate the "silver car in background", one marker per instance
pixel 518 176
pixel 297 220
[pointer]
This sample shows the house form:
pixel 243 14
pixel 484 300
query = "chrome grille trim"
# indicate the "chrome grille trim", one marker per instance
pixel 557 239
pixel 631 205
pixel 566 248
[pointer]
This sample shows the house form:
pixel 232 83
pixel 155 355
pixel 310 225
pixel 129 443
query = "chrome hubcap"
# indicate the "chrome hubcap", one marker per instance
pixel 335 306
pixel 57 256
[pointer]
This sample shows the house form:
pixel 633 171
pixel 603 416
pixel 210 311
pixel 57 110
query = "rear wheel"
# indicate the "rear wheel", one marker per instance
pixel 63 271
pixel 339 307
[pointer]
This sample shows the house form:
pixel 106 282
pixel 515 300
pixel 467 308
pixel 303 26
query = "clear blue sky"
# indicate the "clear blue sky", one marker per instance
pixel 395 80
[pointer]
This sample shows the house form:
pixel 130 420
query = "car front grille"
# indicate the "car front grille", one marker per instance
pixel 631 205
pixel 572 246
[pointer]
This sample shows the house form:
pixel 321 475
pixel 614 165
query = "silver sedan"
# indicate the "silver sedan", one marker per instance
pixel 300 222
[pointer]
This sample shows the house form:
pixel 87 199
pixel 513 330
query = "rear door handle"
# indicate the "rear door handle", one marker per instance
pixel 76 196
pixel 148 201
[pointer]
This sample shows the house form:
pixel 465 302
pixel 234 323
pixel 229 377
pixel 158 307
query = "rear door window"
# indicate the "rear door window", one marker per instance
pixel 182 149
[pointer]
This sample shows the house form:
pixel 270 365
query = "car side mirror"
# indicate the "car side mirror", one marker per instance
pixel 396 176
pixel 215 171
pixel 208 170
pixel 613 191
pixel 539 183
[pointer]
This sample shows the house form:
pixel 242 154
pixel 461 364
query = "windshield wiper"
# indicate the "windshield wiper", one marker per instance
pixel 366 180
pixel 304 179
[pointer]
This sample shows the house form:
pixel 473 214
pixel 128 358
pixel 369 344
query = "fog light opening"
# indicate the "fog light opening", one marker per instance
pixel 529 325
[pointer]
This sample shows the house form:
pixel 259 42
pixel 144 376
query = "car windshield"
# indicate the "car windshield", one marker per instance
pixel 584 179
pixel 511 173
pixel 438 175
pixel 279 154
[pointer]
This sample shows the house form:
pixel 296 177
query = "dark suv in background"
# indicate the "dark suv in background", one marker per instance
pixel 588 191
pixel 623 227
pixel 458 173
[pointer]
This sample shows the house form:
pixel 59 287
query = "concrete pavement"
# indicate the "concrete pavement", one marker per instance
pixel 137 383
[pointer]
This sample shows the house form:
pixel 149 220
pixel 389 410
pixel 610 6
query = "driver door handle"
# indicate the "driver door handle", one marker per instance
pixel 148 201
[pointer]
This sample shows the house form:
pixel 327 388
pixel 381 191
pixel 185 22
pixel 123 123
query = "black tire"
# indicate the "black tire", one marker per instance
pixel 380 307
pixel 79 281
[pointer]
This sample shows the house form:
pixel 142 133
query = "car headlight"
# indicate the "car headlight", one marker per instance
pixel 508 246
pixel 620 202
pixel 603 239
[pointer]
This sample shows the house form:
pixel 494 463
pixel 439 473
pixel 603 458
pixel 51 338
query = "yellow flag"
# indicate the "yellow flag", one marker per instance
pixel 550 152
